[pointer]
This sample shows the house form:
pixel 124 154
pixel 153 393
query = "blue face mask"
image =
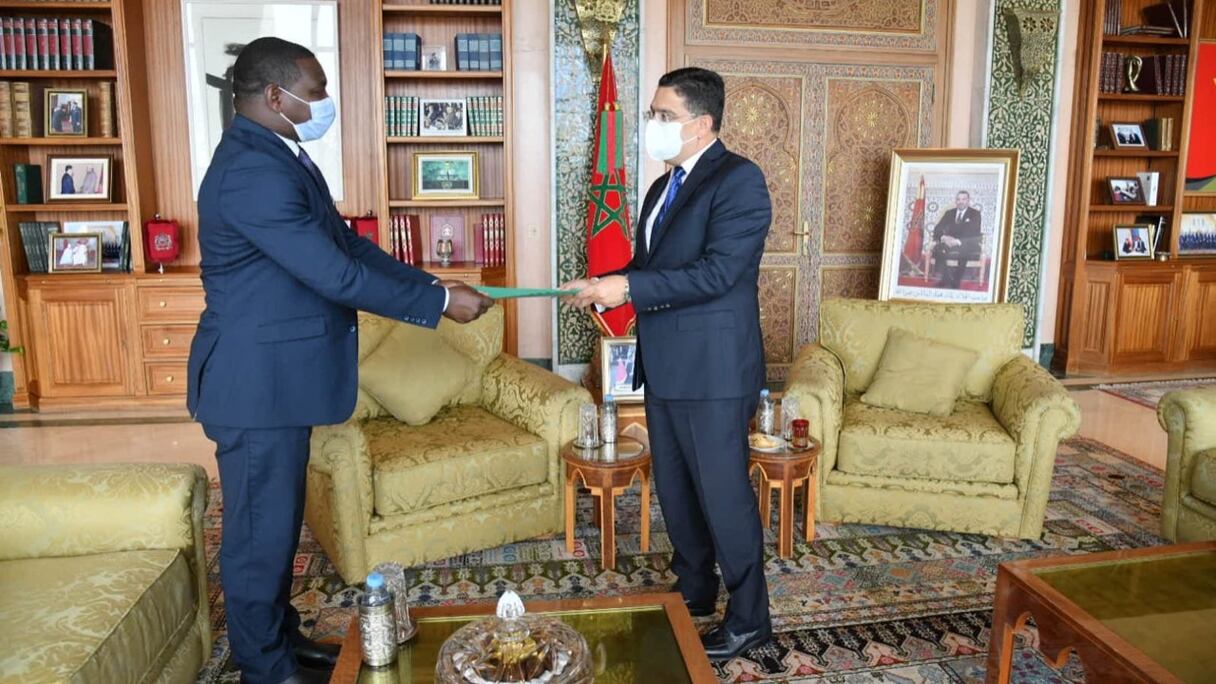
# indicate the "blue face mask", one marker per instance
pixel 323 114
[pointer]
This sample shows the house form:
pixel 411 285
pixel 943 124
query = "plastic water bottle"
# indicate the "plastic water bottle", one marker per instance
pixel 767 414
pixel 608 420
pixel 377 623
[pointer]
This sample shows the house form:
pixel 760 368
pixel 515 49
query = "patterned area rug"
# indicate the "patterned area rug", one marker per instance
pixel 858 604
pixel 1150 393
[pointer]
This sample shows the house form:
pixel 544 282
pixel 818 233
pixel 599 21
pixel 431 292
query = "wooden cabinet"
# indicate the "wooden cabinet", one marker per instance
pixel 82 336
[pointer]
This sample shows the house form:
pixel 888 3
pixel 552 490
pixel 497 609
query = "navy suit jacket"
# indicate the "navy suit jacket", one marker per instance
pixel 696 289
pixel 277 344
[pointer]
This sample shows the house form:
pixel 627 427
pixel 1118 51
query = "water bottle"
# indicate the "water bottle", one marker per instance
pixel 377 623
pixel 766 417
pixel 608 420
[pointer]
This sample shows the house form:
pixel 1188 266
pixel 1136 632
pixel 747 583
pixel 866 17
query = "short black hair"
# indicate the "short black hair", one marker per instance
pixel 962 192
pixel 703 91
pixel 265 61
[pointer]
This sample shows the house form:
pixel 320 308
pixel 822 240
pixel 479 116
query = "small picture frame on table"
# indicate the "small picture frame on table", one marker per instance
pixel 434 58
pixel 618 361
pixel 79 178
pixel 75 253
pixel 1125 136
pixel 1125 190
pixel 66 113
pixel 1133 241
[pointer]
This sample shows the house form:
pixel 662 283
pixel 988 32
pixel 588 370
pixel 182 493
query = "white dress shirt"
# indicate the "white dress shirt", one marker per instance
pixel 658 206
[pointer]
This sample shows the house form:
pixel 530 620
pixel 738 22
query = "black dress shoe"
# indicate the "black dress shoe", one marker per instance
pixel 307 675
pixel 722 644
pixel 315 654
pixel 700 609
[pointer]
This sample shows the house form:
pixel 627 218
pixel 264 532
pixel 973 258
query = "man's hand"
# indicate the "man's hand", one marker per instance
pixel 951 241
pixel 609 292
pixel 464 303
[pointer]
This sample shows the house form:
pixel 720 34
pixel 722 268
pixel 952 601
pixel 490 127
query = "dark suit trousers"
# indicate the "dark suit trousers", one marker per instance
pixel 952 274
pixel 700 452
pixel 262 477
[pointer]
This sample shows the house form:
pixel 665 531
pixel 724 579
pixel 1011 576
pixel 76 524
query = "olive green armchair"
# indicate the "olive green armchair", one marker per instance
pixel 986 468
pixel 1188 507
pixel 484 471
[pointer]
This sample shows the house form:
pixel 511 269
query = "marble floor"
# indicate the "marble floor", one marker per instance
pixel 134 437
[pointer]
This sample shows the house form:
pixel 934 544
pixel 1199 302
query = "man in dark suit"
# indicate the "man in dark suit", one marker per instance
pixel 958 239
pixel 67 185
pixel 693 281
pixel 275 351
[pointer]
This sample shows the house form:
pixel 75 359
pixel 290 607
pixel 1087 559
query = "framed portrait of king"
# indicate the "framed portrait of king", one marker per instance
pixel 949 225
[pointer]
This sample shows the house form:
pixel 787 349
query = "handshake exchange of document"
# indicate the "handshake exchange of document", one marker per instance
pixel 467 303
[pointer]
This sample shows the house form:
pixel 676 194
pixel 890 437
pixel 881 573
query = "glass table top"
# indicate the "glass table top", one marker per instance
pixel 1165 606
pixel 626 644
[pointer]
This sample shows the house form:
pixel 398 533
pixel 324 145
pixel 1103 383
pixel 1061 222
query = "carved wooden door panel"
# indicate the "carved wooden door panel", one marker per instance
pixel 819 111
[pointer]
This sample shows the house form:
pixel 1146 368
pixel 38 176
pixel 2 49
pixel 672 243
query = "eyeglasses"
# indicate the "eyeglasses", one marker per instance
pixel 664 117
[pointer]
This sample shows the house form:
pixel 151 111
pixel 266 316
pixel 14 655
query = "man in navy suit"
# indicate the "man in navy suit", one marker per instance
pixel 275 352
pixel 957 240
pixel 693 281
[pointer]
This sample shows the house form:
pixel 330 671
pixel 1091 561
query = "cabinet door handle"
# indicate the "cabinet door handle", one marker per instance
pixel 165 341
pixel 162 304
pixel 168 378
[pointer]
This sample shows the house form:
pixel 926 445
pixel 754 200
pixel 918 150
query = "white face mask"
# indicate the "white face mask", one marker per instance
pixel 664 140
pixel 322 116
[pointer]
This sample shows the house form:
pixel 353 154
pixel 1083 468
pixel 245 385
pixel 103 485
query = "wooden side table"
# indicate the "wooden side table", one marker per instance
pixel 786 470
pixel 606 479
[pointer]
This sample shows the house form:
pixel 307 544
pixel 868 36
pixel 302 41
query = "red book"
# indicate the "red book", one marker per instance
pixel 413 238
pixel 44 49
pixel 19 42
pixel 479 241
pixel 394 237
pixel 10 51
pixel 52 41
pixel 77 45
pixel 31 44
pixel 86 33
pixel 65 44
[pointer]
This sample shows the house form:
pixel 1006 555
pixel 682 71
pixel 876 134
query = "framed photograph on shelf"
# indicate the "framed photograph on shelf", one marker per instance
pixel 66 113
pixel 1125 190
pixel 1197 234
pixel 1133 242
pixel 215 31
pixel 434 58
pixel 445 175
pixel 79 179
pixel 443 117
pixel 1124 136
pixel 949 225
pixel 618 358
pixel 78 253
pixel 113 235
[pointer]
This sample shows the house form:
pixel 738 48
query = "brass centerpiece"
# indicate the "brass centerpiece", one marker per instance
pixel 514 647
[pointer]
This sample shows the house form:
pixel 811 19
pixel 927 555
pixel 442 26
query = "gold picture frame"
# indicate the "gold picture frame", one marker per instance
pixel 1130 245
pixel 949 228
pixel 58 123
pixel 75 253
pixel 618 363
pixel 446 175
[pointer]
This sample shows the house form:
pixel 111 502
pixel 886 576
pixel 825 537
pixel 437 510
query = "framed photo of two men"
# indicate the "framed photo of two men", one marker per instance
pixel 949 225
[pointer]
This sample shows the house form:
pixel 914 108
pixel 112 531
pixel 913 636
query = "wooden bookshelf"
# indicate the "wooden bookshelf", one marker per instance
pixel 438 25
pixel 1132 316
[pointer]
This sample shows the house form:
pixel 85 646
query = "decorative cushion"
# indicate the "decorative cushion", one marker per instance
pixel 919 375
pixel 109 617
pixel 413 373
pixel 969 445
pixel 1203 477
pixel 465 452
pixel 855 330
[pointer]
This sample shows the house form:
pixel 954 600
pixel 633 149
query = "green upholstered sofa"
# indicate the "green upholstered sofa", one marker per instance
pixel 485 471
pixel 102 573
pixel 1188 508
pixel 986 468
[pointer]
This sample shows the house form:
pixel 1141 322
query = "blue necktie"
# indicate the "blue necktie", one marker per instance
pixel 313 170
pixel 673 189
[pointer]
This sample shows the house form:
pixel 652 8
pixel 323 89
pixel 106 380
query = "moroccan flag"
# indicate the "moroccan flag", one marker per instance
pixel 914 244
pixel 609 246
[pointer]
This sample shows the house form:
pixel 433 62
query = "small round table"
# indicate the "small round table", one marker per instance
pixel 786 470
pixel 606 476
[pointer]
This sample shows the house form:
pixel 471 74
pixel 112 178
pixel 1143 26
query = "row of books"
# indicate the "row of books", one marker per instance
pixel 406 243
pixel 402 52
pixel 1167 19
pixel 44 44
pixel 405 238
pixel 482 116
pixel 27 183
pixel 479 52
pixel 1159 133
pixel 485 115
pixel 490 241
pixel 115 242
pixel 1156 74
pixel 401 116
pixel 18 106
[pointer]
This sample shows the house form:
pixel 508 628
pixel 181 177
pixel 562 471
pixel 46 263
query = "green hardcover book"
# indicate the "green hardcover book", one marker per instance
pixel 28 182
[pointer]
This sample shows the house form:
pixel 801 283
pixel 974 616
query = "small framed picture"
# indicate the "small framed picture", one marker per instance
pixel 618 359
pixel 1133 242
pixel 1125 191
pixel 113 234
pixel 446 117
pixel 66 113
pixel 1127 135
pixel 79 179
pixel 1197 234
pixel 434 58
pixel 445 175
pixel 78 253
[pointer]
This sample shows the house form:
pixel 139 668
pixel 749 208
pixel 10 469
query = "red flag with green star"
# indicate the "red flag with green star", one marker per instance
pixel 609 246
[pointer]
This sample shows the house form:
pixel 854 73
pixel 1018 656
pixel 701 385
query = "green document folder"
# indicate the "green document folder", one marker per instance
pixel 518 292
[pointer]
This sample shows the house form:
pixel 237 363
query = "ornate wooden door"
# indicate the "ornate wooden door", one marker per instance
pixel 82 336
pixel 818 94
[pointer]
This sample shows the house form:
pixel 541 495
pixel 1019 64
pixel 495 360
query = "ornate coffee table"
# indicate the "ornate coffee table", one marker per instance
pixel 638 638
pixel 1144 615
pixel 606 477
pixel 786 470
